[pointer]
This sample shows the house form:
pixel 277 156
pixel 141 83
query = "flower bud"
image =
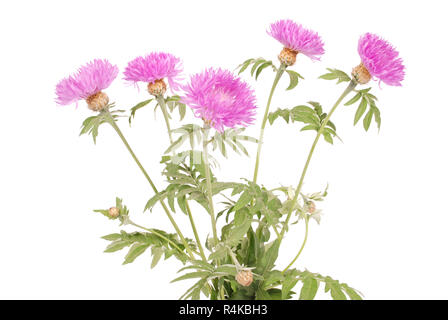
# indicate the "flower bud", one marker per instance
pixel 288 56
pixel 97 101
pixel 157 88
pixel 244 277
pixel 311 207
pixel 361 74
pixel 114 212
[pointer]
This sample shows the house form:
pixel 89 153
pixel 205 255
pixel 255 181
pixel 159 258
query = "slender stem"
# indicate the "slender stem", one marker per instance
pixel 234 259
pixel 209 183
pixel 195 231
pixel 350 87
pixel 157 234
pixel 111 121
pixel 162 104
pixel 279 74
pixel 307 220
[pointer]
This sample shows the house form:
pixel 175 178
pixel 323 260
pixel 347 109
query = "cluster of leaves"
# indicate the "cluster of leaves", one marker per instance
pixel 92 124
pixel 364 96
pixel 230 138
pixel 186 181
pixel 312 116
pixel 259 64
pixel 335 74
pixel 172 103
pixel 366 99
pixel 268 284
pixel 139 242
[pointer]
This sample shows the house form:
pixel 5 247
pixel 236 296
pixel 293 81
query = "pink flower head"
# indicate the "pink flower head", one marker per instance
pixel 90 79
pixel 155 66
pixel 220 98
pixel 381 59
pixel 297 38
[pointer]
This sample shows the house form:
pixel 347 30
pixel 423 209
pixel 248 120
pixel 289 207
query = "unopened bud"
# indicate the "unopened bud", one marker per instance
pixel 361 74
pixel 114 212
pixel 157 88
pixel 288 56
pixel 244 278
pixel 311 207
pixel 97 101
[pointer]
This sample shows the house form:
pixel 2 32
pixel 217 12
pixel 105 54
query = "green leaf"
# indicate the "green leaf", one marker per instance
pixel 361 109
pixel 335 289
pixel 117 245
pixel 244 65
pixel 309 289
pixel 136 107
pixel 157 253
pixel 293 79
pixel 352 294
pixel 289 283
pixel 244 199
pixel 136 250
pixel 334 74
pixel 368 119
pixel 192 275
pixel 354 99
pixel 238 232
pixel 112 237
pixel 260 68
pixel 267 261
pixel 377 114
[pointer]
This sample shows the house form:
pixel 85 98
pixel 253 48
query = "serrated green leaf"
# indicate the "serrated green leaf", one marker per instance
pixel 309 289
pixel 136 250
pixel 117 245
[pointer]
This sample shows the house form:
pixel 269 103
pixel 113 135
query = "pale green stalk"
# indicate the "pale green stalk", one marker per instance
pixel 279 74
pixel 307 220
pixel 111 121
pixel 349 89
pixel 209 183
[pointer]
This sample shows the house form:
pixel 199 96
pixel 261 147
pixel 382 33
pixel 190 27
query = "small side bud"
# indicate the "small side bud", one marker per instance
pixel 97 101
pixel 114 212
pixel 361 74
pixel 311 207
pixel 157 88
pixel 288 56
pixel 244 277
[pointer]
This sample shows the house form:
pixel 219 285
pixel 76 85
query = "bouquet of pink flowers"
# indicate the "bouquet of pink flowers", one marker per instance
pixel 238 258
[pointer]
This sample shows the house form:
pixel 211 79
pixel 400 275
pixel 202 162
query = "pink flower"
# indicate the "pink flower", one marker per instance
pixel 220 98
pixel 153 67
pixel 90 79
pixel 381 59
pixel 295 37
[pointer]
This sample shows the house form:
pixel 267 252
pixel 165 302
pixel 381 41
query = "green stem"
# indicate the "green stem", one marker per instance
pixel 166 116
pixel 279 74
pixel 195 231
pixel 162 104
pixel 209 183
pixel 307 220
pixel 111 121
pixel 350 87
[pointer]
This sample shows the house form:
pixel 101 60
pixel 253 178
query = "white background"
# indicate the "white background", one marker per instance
pixel 385 225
